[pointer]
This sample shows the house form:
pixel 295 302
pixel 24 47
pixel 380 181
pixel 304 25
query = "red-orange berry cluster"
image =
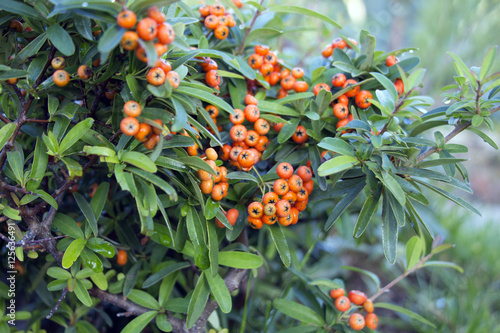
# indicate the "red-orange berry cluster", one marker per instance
pixel 216 18
pixel 209 66
pixel 248 144
pixel 268 64
pixel 217 185
pixel 289 197
pixel 142 132
pixel 359 299
pixel 391 61
pixel 150 28
pixel 213 112
pixel 338 42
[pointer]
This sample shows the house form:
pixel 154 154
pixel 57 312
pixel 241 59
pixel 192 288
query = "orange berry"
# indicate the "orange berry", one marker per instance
pixel 132 109
pixel 357 322
pixel 252 113
pixel 300 86
pixel 300 135
pixel 338 80
pixel 353 91
pixel 146 28
pixel 270 198
pixel 362 98
pixel 121 257
pixel 368 306
pixel 284 170
pixel 371 321
pixel 255 209
pixel 391 60
pixel 283 208
pixel 129 126
pixel 357 297
pixel 126 19
pixel 342 303
pixel 295 183
pixel 319 87
pixel 130 40
pixel 156 14
pixel 156 76
pixel 340 111
pixel 60 78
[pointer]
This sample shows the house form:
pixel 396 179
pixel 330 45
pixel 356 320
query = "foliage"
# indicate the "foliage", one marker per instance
pixel 75 190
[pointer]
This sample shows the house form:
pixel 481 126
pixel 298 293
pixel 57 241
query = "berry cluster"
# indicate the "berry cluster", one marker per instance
pixel 217 185
pixel 391 61
pixel 359 300
pixel 339 43
pixel 147 29
pixel 217 19
pixel 289 197
pixel 142 132
pixel 61 77
pixel 209 66
pixel 268 64
pixel 248 145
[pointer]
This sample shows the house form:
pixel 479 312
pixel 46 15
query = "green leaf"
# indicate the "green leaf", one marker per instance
pixel 207 97
pixel 73 252
pixel 110 39
pixel 279 240
pixel 371 275
pixel 337 145
pixel 102 247
pixel 47 198
pixel 196 163
pixel 369 207
pixel 327 283
pixel 240 175
pixel 220 292
pixel 445 264
pixel 466 71
pixel 58 273
pixel 294 97
pixel 75 134
pixel 439 161
pixel 74 168
pixel 298 311
pixel 99 199
pixel 337 164
pixel 242 260
pixel 288 130
pixel 87 211
pixel 389 181
pixel 180 116
pixel 139 160
pixel 61 39
pixel 260 33
pixel 143 299
pixel 223 219
pixel 139 323
pixel 389 232
pixel 39 166
pixel 342 205
pixel 164 272
pixel 82 293
pixel 19 8
pixel 303 11
pixel 31 49
pixel 276 108
pixel 488 61
pixel 452 197
pixel 83 26
pixel 100 280
pixel 16 164
pixel 404 311
pixel 67 226
pixel 386 83
pixel 6 132
pixel 154 179
pixel 162 323
pixel 414 248
pixel 483 136
pixel 198 301
pixel 213 248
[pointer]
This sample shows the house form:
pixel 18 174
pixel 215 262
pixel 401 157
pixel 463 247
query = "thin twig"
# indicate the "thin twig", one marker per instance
pixel 247 32
pixel 53 311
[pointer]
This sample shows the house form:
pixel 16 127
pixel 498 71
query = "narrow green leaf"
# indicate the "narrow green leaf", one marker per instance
pixel 61 39
pixel 6 132
pixel 464 68
pixel 279 240
pixel 298 311
pixel 198 301
pixel 139 160
pixel 139 323
pixel 303 11
pixel 445 264
pixel 67 226
pixel 75 134
pixel 288 130
pixel 371 275
pixel 163 273
pixel 414 249
pixel 73 252
pixel 220 292
pixel 213 248
pixel 242 260
pixel 87 211
pixel 337 164
pixel 404 311
pixel 99 199
pixel 483 136
pixel 386 83
pixel 144 299
pixel 162 184
pixel 58 273
pixel 82 293
pixel 131 278
pixel 110 39
pixel 39 166
pixel 207 97
pixel 47 198
pixel 366 213
pixel 337 145
pixel 342 205
pixel 389 232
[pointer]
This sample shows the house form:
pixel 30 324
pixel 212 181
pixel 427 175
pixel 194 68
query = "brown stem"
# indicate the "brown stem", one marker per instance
pixel 458 128
pixel 247 31
pixel 40 121
pixel 5 119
